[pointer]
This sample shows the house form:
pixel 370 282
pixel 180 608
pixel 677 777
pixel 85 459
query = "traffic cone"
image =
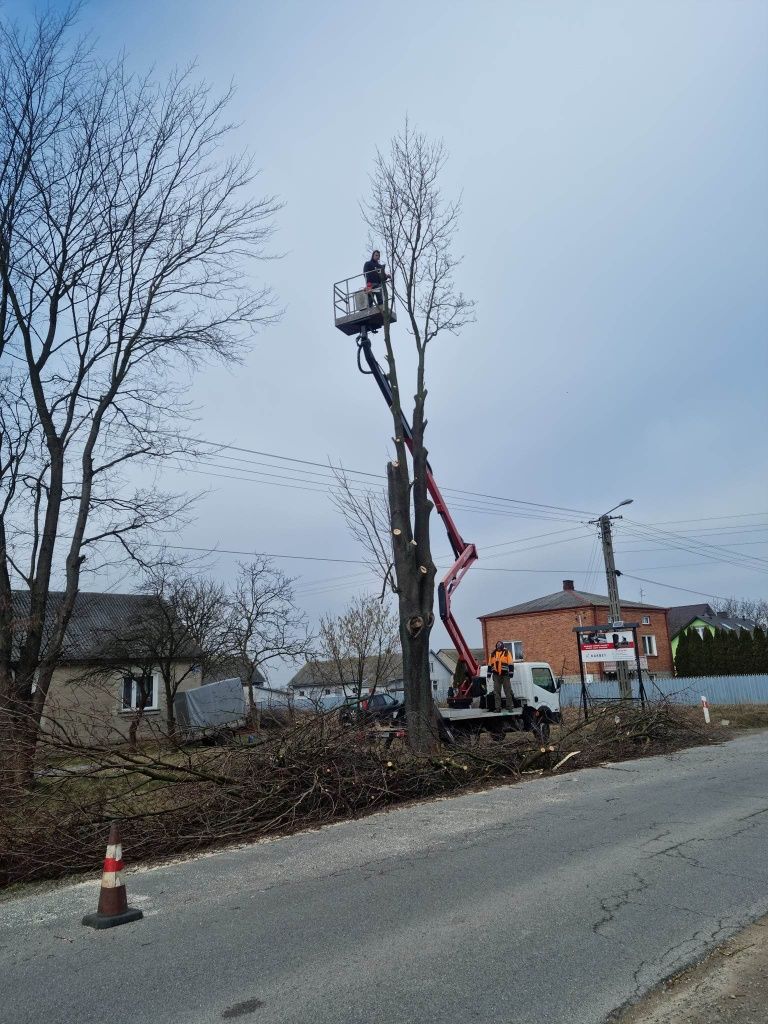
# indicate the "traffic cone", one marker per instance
pixel 113 906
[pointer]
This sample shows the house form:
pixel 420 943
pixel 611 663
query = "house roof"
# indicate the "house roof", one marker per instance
pixel 329 673
pixel 710 618
pixel 97 621
pixel 449 656
pixel 233 668
pixel 565 599
pixel 683 614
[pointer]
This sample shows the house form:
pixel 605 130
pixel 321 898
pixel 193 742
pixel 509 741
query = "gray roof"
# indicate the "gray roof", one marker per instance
pixel 97 621
pixel 449 656
pixel 681 615
pixel 566 599
pixel 326 673
pixel 234 668
pixel 684 615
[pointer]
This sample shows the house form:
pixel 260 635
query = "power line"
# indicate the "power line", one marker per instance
pixel 379 476
pixel 707 519
pixel 645 551
pixel 716 552
pixel 700 593
pixel 259 554
pixel 521 540
pixel 315 487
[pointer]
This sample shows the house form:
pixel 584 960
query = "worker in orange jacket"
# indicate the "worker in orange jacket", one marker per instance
pixel 501 668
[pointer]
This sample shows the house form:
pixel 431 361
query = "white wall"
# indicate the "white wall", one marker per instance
pixel 440 677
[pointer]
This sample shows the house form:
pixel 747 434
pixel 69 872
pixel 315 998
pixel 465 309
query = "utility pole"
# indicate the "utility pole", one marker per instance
pixel 611 575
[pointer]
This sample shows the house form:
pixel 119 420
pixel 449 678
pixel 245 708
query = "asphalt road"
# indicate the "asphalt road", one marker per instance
pixel 551 902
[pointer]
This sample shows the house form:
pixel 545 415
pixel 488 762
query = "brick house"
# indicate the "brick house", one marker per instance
pixel 542 630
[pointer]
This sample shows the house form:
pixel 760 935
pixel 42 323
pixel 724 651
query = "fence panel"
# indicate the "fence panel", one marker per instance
pixel 717 690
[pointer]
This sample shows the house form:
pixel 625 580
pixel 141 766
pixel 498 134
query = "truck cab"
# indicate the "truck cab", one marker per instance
pixel 533 685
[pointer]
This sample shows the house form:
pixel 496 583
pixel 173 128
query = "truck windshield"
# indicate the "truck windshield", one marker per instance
pixel 543 677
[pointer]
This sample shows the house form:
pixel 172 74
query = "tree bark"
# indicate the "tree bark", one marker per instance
pixel 414 567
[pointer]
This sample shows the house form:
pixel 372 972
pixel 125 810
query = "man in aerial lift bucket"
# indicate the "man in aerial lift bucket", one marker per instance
pixel 374 271
pixel 501 669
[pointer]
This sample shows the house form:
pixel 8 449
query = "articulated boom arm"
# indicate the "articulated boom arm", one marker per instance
pixel 465 554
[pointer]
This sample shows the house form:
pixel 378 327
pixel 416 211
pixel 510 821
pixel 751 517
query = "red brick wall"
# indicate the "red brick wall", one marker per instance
pixel 549 636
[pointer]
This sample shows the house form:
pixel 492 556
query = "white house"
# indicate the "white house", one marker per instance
pixel 442 665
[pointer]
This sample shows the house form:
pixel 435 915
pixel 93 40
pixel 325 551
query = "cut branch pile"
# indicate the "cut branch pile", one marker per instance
pixel 312 773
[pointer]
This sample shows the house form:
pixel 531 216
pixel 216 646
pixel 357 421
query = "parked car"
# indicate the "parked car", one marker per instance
pixel 376 707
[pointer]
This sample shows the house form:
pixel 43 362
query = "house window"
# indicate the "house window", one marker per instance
pixel 517 650
pixel 646 620
pixel 434 684
pixel 649 646
pixel 140 691
pixel 700 631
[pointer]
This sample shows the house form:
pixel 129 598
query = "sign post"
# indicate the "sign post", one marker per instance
pixel 614 644
pixel 584 701
pixel 640 687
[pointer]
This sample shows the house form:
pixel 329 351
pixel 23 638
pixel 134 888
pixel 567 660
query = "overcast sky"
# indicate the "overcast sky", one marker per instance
pixel 613 159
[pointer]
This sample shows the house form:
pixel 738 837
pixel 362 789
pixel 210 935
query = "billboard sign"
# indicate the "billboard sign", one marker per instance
pixel 607 645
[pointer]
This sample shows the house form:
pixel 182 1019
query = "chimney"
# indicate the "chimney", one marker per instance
pixel 567 584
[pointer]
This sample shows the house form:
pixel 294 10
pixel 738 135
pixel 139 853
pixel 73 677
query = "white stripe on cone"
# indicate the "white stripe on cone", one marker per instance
pixel 111 879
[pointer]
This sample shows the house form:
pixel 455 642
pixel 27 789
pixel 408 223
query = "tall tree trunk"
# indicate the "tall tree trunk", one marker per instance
pixel 170 714
pixel 18 732
pixel 421 718
pixel 415 583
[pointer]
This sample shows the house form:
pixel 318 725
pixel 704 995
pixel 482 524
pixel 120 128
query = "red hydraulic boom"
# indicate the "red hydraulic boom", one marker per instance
pixel 464 553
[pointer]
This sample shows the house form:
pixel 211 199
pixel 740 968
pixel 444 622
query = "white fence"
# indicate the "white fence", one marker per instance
pixel 688 690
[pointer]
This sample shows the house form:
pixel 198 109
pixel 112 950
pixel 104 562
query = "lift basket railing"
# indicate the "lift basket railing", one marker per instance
pixel 357 304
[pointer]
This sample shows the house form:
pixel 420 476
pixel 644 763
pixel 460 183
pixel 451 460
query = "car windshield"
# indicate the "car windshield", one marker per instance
pixel 543 677
pixel 381 700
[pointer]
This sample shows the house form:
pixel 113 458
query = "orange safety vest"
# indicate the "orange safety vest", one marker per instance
pixel 500 661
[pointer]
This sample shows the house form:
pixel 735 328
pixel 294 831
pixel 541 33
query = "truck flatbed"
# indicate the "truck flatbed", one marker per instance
pixel 470 714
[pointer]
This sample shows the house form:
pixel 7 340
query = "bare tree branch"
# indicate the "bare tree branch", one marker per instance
pixel 359 648
pixel 367 518
pixel 126 244
pixel 264 623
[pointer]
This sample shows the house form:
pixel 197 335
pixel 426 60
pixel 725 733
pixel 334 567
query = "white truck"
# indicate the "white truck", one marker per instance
pixel 535 698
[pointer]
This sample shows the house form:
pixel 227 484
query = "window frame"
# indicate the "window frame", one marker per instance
pixel 136 678
pixel 514 645
pixel 540 669
pixel 646 620
pixel 649 640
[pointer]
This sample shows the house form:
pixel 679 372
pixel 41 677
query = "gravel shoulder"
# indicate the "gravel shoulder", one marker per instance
pixel 730 986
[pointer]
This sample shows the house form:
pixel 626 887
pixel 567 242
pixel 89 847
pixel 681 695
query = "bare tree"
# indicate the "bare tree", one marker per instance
pixel 755 609
pixel 125 244
pixel 360 648
pixel 415 226
pixel 181 630
pixel 264 623
pixel 367 517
